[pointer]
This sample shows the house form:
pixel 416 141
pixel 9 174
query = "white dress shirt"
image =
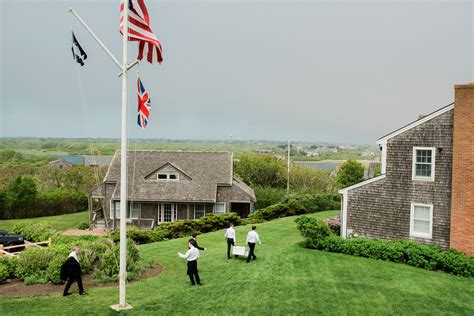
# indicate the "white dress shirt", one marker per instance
pixel 230 233
pixel 252 237
pixel 191 255
pixel 74 255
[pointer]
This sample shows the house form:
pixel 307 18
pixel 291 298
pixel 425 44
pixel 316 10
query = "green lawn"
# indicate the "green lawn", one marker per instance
pixel 59 222
pixel 285 279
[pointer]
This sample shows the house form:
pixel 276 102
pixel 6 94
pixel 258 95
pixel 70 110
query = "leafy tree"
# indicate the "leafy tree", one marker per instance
pixel 377 171
pixel 263 170
pixel 22 192
pixel 351 172
pixel 311 180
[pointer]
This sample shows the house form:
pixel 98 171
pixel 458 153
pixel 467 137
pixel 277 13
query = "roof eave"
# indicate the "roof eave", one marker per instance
pixel 360 184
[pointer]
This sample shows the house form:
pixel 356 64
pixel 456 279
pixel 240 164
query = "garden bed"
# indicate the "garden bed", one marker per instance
pixel 17 288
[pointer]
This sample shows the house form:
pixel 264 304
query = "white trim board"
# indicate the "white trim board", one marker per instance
pixel 360 184
pixel 416 123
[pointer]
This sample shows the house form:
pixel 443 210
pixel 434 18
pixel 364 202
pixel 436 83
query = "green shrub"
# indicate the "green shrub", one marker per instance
pixel 36 279
pixel 35 232
pixel 33 262
pixel 429 257
pixel 267 196
pixel 7 267
pixel 107 265
pixel 313 229
pixel 207 223
pixel 3 272
pixel 83 225
pixel 296 204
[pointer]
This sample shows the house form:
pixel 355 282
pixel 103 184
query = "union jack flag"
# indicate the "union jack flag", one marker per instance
pixel 144 105
pixel 139 30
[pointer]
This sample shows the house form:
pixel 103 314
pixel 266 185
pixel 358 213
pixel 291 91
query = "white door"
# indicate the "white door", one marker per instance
pixel 167 212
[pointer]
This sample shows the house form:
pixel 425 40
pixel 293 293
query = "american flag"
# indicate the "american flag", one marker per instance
pixel 139 30
pixel 144 105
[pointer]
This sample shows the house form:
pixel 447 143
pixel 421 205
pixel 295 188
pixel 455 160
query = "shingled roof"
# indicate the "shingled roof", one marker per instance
pixel 203 172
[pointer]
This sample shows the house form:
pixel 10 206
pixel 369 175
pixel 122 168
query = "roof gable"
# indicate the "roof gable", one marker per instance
pixel 168 167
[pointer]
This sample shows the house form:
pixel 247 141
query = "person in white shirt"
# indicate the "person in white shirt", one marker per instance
pixel 191 256
pixel 230 236
pixel 252 239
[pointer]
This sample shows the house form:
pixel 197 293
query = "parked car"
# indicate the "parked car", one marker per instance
pixel 7 239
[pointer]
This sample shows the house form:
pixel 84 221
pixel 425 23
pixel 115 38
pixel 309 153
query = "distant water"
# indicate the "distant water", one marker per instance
pixel 316 165
pixel 76 160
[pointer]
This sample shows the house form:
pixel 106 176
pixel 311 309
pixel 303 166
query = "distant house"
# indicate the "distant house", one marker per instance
pixel 60 164
pixel 170 186
pixel 97 161
pixel 426 189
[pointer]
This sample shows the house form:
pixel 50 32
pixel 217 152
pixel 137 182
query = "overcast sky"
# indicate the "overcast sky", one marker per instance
pixel 307 70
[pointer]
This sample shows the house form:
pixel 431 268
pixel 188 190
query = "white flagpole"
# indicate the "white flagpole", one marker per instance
pixel 124 67
pixel 123 166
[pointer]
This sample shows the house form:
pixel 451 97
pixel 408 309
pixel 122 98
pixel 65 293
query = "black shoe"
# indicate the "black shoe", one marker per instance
pixel 82 293
pixel 199 283
pixel 193 284
pixel 66 294
pixel 229 257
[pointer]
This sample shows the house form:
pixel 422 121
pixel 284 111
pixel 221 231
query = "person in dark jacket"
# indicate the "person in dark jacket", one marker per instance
pixel 71 270
pixel 193 240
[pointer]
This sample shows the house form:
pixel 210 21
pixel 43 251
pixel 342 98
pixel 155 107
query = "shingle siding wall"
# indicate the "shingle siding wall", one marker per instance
pixel 382 209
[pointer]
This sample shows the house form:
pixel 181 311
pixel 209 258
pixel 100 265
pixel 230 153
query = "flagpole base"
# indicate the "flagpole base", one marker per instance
pixel 118 307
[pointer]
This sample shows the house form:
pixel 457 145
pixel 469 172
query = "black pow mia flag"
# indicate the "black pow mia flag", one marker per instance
pixel 78 53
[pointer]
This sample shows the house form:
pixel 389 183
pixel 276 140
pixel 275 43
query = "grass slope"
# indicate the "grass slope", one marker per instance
pixel 285 279
pixel 59 222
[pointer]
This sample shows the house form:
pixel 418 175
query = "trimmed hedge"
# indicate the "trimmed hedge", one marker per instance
pixel 205 224
pixel 429 257
pixel 296 204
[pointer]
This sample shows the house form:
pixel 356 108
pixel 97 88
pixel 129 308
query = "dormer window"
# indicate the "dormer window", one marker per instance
pixel 167 177
pixel 423 167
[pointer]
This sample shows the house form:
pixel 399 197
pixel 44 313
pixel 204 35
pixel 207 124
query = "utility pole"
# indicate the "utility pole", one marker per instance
pixel 288 178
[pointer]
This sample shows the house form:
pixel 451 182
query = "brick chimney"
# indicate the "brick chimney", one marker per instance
pixel 462 199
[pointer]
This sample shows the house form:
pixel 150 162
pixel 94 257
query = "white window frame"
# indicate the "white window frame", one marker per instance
pixel 412 221
pixel 139 208
pixel 113 211
pixel 215 208
pixel 433 161
pixel 203 210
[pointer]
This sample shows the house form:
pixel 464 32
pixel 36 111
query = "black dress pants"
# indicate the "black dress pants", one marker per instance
pixel 193 272
pixel 251 251
pixel 230 242
pixel 70 281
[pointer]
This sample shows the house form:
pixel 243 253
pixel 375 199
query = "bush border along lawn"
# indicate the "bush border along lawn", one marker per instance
pixel 430 256
pixel 285 279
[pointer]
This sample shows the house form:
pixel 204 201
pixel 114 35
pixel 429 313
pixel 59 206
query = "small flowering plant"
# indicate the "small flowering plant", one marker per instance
pixel 335 224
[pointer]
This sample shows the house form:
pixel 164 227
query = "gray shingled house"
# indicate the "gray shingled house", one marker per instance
pixel 426 189
pixel 170 186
